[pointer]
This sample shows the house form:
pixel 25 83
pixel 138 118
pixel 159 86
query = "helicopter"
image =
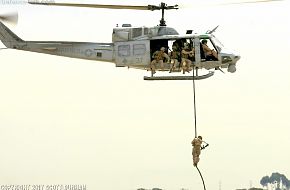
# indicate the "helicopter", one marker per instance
pixel 133 47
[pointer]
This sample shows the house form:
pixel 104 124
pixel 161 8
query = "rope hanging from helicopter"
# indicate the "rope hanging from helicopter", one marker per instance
pixel 195 121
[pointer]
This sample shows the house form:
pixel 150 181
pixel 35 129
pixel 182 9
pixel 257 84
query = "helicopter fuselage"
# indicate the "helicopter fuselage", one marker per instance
pixel 131 47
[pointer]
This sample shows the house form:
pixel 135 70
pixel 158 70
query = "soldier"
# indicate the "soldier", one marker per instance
pixel 208 52
pixel 186 54
pixel 174 57
pixel 158 56
pixel 196 148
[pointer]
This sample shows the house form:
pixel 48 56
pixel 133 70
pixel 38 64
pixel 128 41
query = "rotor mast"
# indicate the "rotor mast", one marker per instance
pixel 162 7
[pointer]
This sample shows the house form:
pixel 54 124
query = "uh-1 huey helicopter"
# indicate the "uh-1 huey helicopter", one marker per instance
pixel 132 47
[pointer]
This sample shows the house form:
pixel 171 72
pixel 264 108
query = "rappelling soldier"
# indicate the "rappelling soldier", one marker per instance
pixel 196 149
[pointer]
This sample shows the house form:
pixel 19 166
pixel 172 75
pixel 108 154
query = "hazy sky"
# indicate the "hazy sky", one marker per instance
pixel 70 121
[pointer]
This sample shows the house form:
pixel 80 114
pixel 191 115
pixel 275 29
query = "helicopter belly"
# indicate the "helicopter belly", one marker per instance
pixel 208 64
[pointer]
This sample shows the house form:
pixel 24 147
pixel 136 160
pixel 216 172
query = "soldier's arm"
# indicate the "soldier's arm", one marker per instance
pixel 204 142
pixel 184 52
pixel 153 55
pixel 191 53
pixel 204 146
pixel 206 48
pixel 166 57
pixel 193 142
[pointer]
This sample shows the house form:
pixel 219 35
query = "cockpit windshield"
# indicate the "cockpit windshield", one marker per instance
pixel 217 43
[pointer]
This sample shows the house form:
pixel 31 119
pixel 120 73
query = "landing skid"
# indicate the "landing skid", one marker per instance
pixel 211 73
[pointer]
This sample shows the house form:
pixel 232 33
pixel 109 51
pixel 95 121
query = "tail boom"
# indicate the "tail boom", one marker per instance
pixel 8 38
pixel 81 50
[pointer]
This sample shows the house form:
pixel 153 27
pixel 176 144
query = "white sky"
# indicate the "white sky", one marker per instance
pixel 70 121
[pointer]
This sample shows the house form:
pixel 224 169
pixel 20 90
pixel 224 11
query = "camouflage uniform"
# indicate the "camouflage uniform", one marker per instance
pixel 174 57
pixel 196 148
pixel 208 51
pixel 158 59
pixel 186 63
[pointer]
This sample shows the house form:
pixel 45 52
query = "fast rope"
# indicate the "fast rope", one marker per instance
pixel 201 178
pixel 195 128
pixel 194 103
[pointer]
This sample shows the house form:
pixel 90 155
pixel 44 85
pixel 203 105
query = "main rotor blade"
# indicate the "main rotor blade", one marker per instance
pixel 92 5
pixel 248 2
pixel 10 17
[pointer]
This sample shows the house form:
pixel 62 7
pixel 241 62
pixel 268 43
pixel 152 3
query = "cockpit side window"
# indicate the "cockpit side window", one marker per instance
pixel 209 44
pixel 218 45
pixel 208 50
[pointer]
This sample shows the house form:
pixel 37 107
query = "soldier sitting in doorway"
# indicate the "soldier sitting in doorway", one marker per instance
pixel 158 58
pixel 186 54
pixel 174 57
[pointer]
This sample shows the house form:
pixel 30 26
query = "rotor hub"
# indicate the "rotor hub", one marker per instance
pixel 162 7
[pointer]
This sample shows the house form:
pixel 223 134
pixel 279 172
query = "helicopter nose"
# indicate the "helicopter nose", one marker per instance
pixel 232 67
pixel 237 58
